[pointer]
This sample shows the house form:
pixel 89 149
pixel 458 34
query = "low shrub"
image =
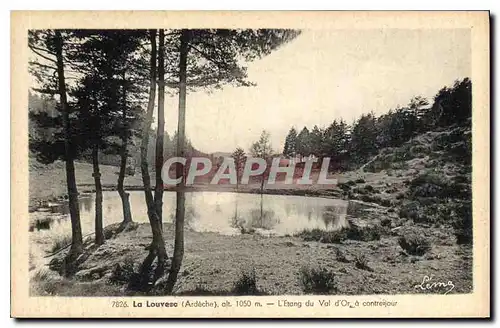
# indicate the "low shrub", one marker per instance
pixel 368 233
pixel 386 222
pixel 40 275
pixel 361 262
pixel 60 242
pixel 318 281
pixel 344 186
pixel 409 210
pixel 322 236
pixel 430 185
pixel 246 284
pixel 369 188
pixel 340 256
pixel 414 244
pixel 122 272
pixel 462 223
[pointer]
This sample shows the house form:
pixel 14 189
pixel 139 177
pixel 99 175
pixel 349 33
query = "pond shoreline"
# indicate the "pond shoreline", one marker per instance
pixel 88 189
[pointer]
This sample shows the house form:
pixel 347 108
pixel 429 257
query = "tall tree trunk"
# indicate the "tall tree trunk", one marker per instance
pixel 74 209
pixel 127 214
pixel 181 135
pixel 96 127
pixel 160 132
pixel 158 245
pixel 99 233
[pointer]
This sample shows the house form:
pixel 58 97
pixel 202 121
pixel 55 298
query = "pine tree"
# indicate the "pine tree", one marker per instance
pixel 290 148
pixel 51 48
pixel 303 143
pixel 239 158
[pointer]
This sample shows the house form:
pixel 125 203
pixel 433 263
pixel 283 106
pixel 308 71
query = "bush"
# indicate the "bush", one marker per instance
pixel 386 222
pixel 360 180
pixel 462 223
pixel 340 256
pixel 414 244
pixel 430 185
pixel 344 186
pixel 369 188
pixel 122 272
pixel 419 151
pixel 361 262
pixel 246 284
pixel 318 281
pixel 368 233
pixel 323 236
pixel 400 195
pixel 410 210
pixel 41 275
pixel 60 242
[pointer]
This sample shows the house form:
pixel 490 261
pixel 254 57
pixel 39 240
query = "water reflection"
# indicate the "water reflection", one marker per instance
pixel 225 213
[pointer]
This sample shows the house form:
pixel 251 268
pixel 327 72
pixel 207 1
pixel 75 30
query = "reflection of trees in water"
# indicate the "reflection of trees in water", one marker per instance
pixel 263 219
pixel 258 218
pixel 86 204
pixel 42 224
pixel 235 221
pixel 331 216
pixel 190 214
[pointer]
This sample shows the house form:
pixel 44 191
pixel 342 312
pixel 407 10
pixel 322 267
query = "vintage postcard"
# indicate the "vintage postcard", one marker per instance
pixel 250 164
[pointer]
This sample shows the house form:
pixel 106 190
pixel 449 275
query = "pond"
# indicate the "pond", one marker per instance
pixel 226 213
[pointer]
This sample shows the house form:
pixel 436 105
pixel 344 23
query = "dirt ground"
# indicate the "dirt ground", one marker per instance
pixel 215 262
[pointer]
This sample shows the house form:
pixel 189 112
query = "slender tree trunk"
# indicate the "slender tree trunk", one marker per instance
pixel 96 127
pixel 180 206
pixel 74 209
pixel 261 210
pixel 99 233
pixel 238 176
pixel 160 132
pixel 158 245
pixel 127 214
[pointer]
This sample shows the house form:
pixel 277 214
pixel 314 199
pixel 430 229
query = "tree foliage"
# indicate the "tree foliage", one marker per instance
pixel 352 145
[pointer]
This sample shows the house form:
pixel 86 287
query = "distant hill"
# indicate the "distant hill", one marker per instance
pixel 221 154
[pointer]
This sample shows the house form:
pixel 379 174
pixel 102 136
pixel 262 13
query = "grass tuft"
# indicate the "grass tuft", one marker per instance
pixel 247 284
pixel 318 281
pixel 414 244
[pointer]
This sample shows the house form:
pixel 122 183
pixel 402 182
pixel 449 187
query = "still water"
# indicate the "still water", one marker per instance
pixel 224 213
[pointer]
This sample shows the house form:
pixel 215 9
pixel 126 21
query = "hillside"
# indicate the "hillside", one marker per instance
pixel 425 181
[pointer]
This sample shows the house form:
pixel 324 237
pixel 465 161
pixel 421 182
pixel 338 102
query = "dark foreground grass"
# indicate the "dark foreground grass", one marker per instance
pixel 318 281
pixel 369 233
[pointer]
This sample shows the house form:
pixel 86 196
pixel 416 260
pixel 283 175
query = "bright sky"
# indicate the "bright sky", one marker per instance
pixel 322 76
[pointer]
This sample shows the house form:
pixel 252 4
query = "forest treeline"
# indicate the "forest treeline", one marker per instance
pixel 351 145
pixel 105 86
pixel 39 133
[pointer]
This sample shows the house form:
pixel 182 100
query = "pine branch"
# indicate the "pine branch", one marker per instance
pixel 42 65
pixel 35 50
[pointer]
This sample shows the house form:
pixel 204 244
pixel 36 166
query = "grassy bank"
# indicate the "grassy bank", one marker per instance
pixel 215 263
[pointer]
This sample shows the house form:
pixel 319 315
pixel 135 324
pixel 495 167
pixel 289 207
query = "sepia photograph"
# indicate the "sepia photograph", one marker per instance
pixel 282 162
